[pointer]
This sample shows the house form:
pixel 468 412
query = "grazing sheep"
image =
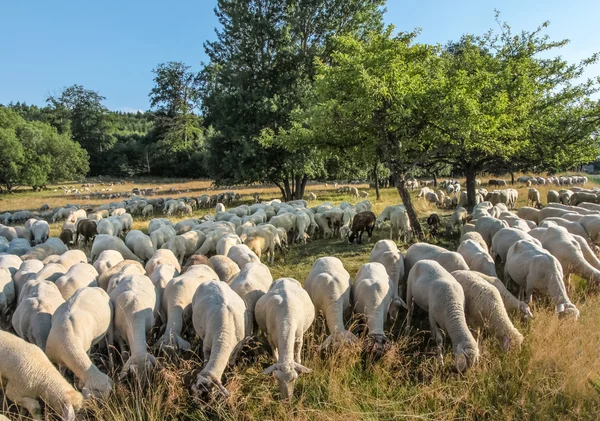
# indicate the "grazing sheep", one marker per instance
pixel 111 277
pixel 484 309
pixel 78 276
pixel 432 197
pixel 535 269
pixel 156 223
pixel 162 275
pixel 433 221
pixel 386 253
pixel 434 290
pixel 197 259
pixel 7 291
pixel 511 303
pixel 140 244
pixel 219 208
pixel 284 314
pixel 553 196
pixel 400 226
pixel 533 197
pixel 106 260
pixel 161 236
pixel 219 318
pixel 28 375
pixel 449 260
pixel 328 285
pixel 86 228
pixel 487 226
pixel 160 257
pixel 79 323
pixel 10 262
pixel 226 242
pixel 251 283
pixel 504 239
pixel 458 219
pixel 475 236
pixel 104 242
pixel 40 230
pixel 67 236
pixel 225 268
pixel 477 257
pixel 27 271
pixel 38 299
pixel 177 304
pixel 18 247
pixel 362 222
pixel 147 211
pixel 242 255
pixel 136 306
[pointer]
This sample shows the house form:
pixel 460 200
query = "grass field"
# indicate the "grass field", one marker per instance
pixel 554 376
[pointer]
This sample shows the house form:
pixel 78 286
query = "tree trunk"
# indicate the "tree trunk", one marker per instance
pixel 376 178
pixel 392 181
pixel 287 192
pixel 410 210
pixel 302 187
pixel 512 178
pixel 299 189
pixel 470 173
pixel 435 182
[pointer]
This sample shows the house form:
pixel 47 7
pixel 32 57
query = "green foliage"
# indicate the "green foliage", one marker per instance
pixel 34 153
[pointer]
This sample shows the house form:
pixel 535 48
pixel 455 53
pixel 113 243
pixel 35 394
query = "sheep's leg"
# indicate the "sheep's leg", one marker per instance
pixel 31 404
pixel 298 350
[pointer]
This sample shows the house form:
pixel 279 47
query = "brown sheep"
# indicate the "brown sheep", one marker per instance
pixel 67 236
pixel 86 228
pixel 196 259
pixel 434 222
pixel 363 221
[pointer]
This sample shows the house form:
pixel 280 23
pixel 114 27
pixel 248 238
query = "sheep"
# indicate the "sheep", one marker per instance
pixel 60 214
pixel 362 222
pixel 110 226
pixel 28 374
pixel 185 226
pixel 40 230
pixel 7 291
pixel 553 196
pixel 533 197
pixel 434 290
pixel 328 285
pixel 302 225
pixel 572 227
pixel 535 269
pixel 488 226
pixel 38 299
pixel 363 194
pixel 511 303
pixel 260 242
pixel 111 277
pixel 140 244
pixel 51 272
pixel 226 242
pixel 225 268
pixel 567 250
pixel 251 283
pixel 10 262
pixel 106 260
pixel 185 245
pixel 242 255
pixel 162 275
pixel 160 257
pixel 433 221
pixel 504 239
pixel 27 271
pixel 147 211
pixel 312 196
pixel 284 314
pixel 432 197
pixel 18 247
pixel 79 323
pixel 450 260
pixel 104 242
pixel 459 218
pixel 194 260
pixel 86 228
pixel 136 305
pixel 477 257
pixel 177 304
pixel 67 236
pixel 475 236
pixel 484 309
pixel 219 318
pixel 400 226
pixel 386 253
pixel 156 223
pixel 78 276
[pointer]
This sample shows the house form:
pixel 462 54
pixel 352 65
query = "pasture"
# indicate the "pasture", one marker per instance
pixel 556 374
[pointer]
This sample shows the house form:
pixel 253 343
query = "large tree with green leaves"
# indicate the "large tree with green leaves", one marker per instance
pixel 261 68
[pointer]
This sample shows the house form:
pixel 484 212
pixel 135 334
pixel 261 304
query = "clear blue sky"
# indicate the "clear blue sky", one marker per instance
pixel 111 46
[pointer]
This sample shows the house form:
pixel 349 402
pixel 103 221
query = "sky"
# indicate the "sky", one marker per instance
pixel 111 46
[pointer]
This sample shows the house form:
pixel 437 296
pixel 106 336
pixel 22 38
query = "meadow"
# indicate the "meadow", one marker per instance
pixel 554 376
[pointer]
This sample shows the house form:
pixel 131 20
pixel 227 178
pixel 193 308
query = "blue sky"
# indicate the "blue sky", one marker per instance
pixel 111 46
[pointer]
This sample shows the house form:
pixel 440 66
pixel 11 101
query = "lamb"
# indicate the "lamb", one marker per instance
pixel 477 257
pixel 79 323
pixel 386 253
pixel 328 285
pixel 284 314
pixel 86 228
pixel 535 269
pixel 225 268
pixel 242 255
pixel 40 230
pixel 400 226
pixel 362 222
pixel 488 226
pixel 28 375
pixel 219 318
pixel 177 304
pixel 160 257
pixel 38 299
pixel 433 221
pixel 251 283
pixel 434 290
pixel 104 242
pixel 533 197
pixel 78 276
pixel 106 260
pixel 262 241
pixel 67 236
pixel 140 244
pixel 136 305
pixel 504 239
pixel 484 309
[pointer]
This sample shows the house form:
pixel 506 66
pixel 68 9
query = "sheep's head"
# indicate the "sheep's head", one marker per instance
pixel 567 310
pixel 379 223
pixel 73 402
pixel 377 345
pixel 140 365
pixel 344 231
pixel 466 356
pixel 98 386
pixel 395 306
pixel 525 310
pixel 286 375
pixel 352 237
pixel 205 382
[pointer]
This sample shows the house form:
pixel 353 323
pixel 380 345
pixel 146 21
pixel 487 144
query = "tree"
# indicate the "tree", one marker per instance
pixel 261 68
pixel 80 112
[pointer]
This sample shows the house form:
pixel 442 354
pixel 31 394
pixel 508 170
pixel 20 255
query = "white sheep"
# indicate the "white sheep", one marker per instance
pixel 251 283
pixel 224 267
pixel 220 207
pixel 162 275
pixel 10 262
pixel 484 309
pixel 242 255
pixel 477 257
pixel 284 314
pixel 487 226
pixel 535 269
pixel 106 260
pixel 40 230
pixel 504 239
pixel 79 323
pixel 38 299
pixel 162 256
pixel 328 285
pixel 125 267
pixel 458 219
pixel 511 303
pixel 28 374
pixel 434 290
pixel 400 226
pixel 177 304
pixel 78 276
pixel 475 236
pixel 27 271
pixel 386 253
pixel 136 305
pixel 7 291
pixel 108 242
pixel 140 244
pixel 226 242
pixel 156 223
pixel 161 236
pixel 262 241
pixel 219 318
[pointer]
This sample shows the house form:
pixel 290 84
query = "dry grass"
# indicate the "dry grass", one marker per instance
pixel 555 375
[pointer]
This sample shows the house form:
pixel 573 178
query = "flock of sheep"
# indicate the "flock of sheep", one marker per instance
pixel 59 304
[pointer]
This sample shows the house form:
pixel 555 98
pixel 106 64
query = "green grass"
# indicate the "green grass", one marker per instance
pixel 555 376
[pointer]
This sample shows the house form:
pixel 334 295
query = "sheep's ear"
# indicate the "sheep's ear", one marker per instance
pixel 270 369
pixel 506 343
pixel 301 369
